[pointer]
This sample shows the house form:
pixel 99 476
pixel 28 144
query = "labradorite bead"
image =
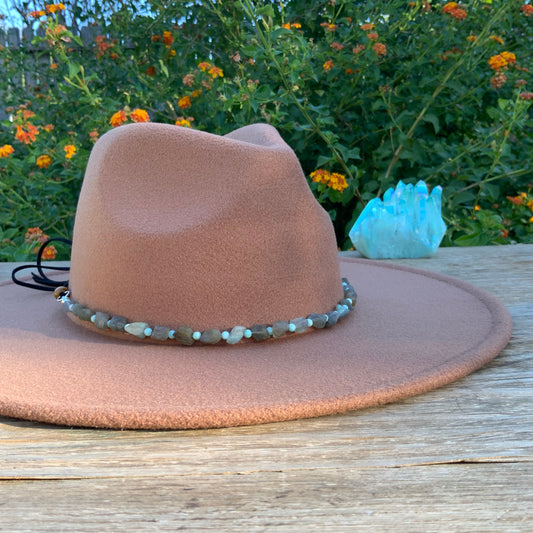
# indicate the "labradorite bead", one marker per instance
pixel 83 313
pixel 280 328
pixel 117 323
pixel 343 310
pixel 260 332
pixel 136 329
pixel 235 335
pixel 184 335
pixel 211 336
pixel 349 292
pixel 347 303
pixel 319 320
pixel 101 319
pixel 300 323
pixel 160 333
pixel 333 318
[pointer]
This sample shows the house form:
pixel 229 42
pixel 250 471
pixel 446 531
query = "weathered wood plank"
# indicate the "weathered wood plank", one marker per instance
pixel 457 498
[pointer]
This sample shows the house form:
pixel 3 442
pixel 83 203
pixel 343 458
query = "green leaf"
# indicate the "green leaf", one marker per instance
pixel 265 11
pixel 430 117
pixel 164 68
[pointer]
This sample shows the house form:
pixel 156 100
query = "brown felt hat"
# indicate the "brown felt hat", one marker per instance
pixel 205 291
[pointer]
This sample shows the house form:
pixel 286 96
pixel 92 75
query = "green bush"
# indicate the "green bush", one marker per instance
pixel 366 93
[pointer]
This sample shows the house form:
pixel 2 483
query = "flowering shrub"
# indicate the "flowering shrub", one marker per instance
pixel 366 93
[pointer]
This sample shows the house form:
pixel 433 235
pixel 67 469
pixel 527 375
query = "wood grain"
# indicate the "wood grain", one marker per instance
pixel 459 458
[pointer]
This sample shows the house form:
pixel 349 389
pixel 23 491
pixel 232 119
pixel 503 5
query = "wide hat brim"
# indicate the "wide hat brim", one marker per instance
pixel 412 331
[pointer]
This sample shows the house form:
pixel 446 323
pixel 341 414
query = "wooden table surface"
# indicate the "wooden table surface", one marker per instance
pixel 459 458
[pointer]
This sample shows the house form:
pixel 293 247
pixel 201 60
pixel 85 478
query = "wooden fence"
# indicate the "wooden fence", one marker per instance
pixel 33 60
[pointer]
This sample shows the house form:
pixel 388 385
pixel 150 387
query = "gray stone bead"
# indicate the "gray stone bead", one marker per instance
pixel 235 335
pixel 136 329
pixel 160 333
pixel 319 320
pixel 260 332
pixel 184 335
pixel 343 310
pixel 117 323
pixel 83 313
pixel 349 292
pixel 347 302
pixel 280 328
pixel 333 318
pixel 211 336
pixel 300 323
pixel 101 319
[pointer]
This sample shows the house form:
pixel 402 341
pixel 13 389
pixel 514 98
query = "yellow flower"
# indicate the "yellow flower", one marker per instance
pixel 139 115
pixel 337 182
pixel 471 38
pixel 509 57
pixel 44 161
pixel 216 72
pixel 450 6
pixel 6 150
pixel 328 65
pixel 496 39
pixel 184 102
pixel 118 118
pixel 204 65
pixel 196 93
pixel 168 39
pixel 183 122
pixel 70 150
pixel 497 62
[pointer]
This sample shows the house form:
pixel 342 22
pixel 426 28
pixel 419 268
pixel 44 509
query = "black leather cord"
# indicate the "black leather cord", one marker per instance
pixel 42 281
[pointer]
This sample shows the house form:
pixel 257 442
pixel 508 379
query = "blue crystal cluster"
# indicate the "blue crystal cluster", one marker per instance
pixel 406 223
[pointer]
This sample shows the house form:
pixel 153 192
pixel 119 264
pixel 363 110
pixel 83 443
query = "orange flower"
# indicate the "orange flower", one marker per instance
pixel 329 27
pixel 26 134
pixel 48 127
pixel 296 25
pixel 336 46
pixel 337 182
pixel 204 65
pixel 373 36
pixel 183 122
pixel 358 48
pixel 53 8
pixel 93 134
pixel 530 205
pixel 496 39
pixel 471 38
pixel 49 252
pixel 168 39
pixel 516 200
pixel 150 71
pixel 34 235
pixel 70 150
pixel 509 57
pixel 331 179
pixel 44 161
pixel 526 96
pixel 498 81
pixel 459 14
pixel 328 65
pixel 497 62
pixel 287 26
pixel 526 10
pixel 216 72
pixel 156 38
pixel 37 14
pixel 139 115
pixel 368 27
pixel 26 114
pixel 449 7
pixel 6 150
pixel 380 49
pixel 477 208
pixel 184 102
pixel 197 93
pixel 118 118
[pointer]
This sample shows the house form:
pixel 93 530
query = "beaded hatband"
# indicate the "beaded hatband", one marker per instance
pixel 187 336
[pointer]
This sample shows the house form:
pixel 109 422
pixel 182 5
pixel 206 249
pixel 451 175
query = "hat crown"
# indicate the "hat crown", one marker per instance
pixel 181 227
